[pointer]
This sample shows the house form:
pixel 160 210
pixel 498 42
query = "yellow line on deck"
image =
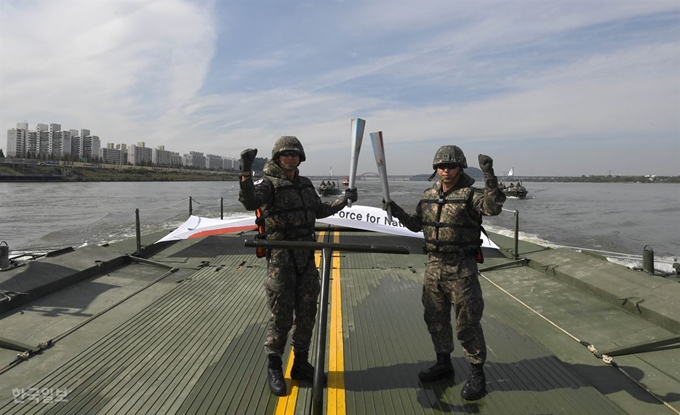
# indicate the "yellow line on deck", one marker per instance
pixel 336 352
pixel 286 404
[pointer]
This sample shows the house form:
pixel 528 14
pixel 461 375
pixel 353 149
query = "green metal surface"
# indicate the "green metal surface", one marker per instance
pixel 387 344
pixel 196 347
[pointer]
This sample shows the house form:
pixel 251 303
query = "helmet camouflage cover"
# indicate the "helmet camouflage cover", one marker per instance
pixel 449 154
pixel 288 143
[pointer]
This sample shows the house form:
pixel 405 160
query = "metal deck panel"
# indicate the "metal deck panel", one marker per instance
pixel 198 349
pixel 388 345
pixel 150 363
pixel 589 319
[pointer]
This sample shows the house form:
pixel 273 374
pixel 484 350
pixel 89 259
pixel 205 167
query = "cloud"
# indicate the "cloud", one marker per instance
pixel 218 77
pixel 115 64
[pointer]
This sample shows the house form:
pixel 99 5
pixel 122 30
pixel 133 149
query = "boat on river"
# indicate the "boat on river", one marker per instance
pixel 516 190
pixel 345 181
pixel 174 323
pixel 329 187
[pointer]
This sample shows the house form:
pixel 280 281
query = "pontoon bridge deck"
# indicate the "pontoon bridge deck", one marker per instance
pixel 182 333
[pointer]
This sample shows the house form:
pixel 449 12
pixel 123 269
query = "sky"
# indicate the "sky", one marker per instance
pixel 546 87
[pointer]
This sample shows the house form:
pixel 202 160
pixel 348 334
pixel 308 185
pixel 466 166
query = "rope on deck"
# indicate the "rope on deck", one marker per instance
pixel 605 358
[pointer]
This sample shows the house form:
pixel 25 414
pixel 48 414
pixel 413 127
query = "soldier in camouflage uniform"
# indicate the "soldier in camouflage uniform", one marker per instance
pixel 450 216
pixel 290 206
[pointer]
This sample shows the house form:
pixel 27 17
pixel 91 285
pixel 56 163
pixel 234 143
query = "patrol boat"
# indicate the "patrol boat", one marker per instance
pixel 329 187
pixel 515 190
pixel 175 323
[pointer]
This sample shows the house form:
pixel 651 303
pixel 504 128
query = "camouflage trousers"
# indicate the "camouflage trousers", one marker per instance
pixel 292 298
pixel 443 289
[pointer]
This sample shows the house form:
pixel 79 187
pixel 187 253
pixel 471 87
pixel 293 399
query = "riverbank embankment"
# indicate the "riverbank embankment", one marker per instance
pixel 34 173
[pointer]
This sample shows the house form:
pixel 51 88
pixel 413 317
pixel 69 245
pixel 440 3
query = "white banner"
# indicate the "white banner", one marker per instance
pixel 198 227
pixel 369 219
pixel 355 217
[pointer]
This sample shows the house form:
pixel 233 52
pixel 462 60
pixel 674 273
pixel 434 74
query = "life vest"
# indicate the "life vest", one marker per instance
pixel 291 213
pixel 449 222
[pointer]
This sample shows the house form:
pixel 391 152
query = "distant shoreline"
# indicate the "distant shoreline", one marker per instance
pixel 41 173
pixel 599 179
pixel 150 176
pixel 57 174
pixel 575 179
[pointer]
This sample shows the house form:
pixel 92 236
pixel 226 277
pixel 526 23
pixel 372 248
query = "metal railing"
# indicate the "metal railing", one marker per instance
pixel 138 233
pixel 327 249
pixel 516 213
pixel 515 255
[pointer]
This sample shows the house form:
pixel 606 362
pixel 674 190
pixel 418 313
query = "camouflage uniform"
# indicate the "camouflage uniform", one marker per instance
pixel 451 224
pixel 290 209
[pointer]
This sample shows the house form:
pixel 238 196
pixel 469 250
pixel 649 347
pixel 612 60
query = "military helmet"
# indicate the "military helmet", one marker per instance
pixel 449 154
pixel 287 143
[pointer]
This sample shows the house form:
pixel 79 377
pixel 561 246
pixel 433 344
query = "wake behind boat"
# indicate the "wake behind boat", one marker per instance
pixel 174 323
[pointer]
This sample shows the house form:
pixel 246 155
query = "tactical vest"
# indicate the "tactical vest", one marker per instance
pixel 292 212
pixel 449 223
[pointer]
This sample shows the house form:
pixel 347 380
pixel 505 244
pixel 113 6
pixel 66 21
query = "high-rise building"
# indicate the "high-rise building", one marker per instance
pixel 53 138
pixel 75 147
pixel 111 155
pixel 64 145
pixel 194 159
pixel 214 162
pixel 89 147
pixel 49 140
pixel 42 139
pixel 140 155
pixel 32 144
pixel 124 149
pixel 16 142
pixel 161 157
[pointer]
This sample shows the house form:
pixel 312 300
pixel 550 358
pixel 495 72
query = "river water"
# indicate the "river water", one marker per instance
pixel 615 218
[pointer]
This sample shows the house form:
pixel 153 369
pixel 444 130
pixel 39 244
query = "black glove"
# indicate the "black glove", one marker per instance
pixel 486 164
pixel 394 207
pixel 247 159
pixel 351 194
pixel 386 205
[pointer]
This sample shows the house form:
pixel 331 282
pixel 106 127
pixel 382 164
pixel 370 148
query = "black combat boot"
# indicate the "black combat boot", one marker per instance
pixel 476 384
pixel 302 369
pixel 275 376
pixel 442 369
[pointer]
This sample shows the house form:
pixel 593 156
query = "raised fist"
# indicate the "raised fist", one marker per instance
pixel 247 159
pixel 486 164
